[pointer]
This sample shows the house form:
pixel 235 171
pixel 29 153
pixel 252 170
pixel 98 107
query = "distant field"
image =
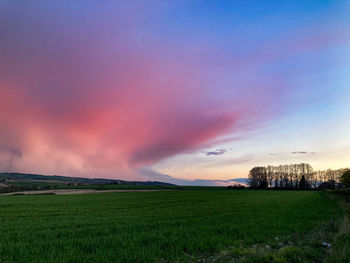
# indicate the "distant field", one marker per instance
pixel 122 186
pixel 169 226
pixel 93 186
pixel 15 182
pixel 80 191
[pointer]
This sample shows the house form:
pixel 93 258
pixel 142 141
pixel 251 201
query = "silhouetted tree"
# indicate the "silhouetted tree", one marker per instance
pixel 270 175
pixel 345 178
pixel 303 184
pixel 294 176
pixel 258 177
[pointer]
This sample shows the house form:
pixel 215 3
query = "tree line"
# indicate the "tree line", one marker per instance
pixel 294 176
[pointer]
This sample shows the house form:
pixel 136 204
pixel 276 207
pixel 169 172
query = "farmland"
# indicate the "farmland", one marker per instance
pixel 168 226
pixel 16 182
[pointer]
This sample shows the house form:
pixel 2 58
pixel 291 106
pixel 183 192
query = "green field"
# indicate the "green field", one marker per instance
pixel 169 226
pixel 122 187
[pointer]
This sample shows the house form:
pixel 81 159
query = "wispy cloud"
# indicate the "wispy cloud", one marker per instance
pixel 293 153
pixel 302 152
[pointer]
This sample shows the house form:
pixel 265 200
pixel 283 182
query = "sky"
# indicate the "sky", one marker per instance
pixel 187 92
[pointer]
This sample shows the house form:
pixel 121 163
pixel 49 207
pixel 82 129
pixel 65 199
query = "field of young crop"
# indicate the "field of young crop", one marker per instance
pixel 169 226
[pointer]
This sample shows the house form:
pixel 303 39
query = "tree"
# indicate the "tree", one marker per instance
pixel 345 179
pixel 294 176
pixel 303 184
pixel 269 175
pixel 258 177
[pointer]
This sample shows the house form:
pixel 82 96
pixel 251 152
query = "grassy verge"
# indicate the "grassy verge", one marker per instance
pixel 300 247
pixel 341 249
pixel 295 248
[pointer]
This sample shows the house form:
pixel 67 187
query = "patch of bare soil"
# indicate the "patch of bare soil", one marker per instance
pixel 78 191
pixel 3 185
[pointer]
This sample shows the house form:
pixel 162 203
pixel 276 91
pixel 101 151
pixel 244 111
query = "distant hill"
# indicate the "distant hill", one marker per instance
pixel 7 179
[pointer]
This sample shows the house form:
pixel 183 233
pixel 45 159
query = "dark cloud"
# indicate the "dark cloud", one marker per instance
pixel 216 152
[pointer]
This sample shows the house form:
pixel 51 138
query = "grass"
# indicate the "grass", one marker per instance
pixel 341 250
pixel 170 226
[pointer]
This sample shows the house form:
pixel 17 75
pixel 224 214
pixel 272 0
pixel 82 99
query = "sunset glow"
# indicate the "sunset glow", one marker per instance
pixel 178 91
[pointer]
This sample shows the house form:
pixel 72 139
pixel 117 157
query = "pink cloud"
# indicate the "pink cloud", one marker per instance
pixel 99 94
